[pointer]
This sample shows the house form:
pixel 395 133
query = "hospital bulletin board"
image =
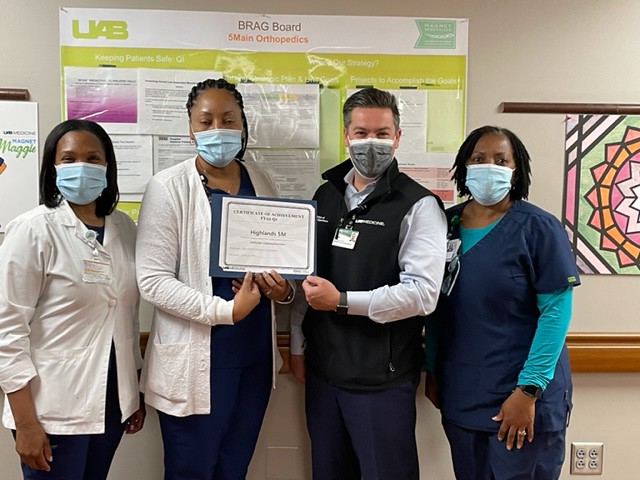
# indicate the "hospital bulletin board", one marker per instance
pixel 131 71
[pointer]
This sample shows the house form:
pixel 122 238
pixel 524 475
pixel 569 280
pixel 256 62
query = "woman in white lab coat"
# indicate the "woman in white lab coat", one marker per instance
pixel 69 337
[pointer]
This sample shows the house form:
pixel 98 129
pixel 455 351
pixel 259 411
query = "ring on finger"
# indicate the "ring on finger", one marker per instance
pixel 268 292
pixel 522 432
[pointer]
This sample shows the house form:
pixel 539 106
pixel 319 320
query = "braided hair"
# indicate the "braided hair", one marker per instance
pixel 221 83
pixel 520 189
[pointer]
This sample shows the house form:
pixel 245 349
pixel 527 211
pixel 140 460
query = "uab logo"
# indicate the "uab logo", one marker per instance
pixel 111 29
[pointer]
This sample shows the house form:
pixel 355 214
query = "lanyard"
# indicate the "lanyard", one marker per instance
pixel 348 221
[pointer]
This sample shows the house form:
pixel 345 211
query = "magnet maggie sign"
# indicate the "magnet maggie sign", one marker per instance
pixel 18 159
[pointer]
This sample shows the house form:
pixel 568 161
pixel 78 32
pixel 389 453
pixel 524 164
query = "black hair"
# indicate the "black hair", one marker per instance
pixel 221 83
pixel 371 98
pixel 520 188
pixel 49 193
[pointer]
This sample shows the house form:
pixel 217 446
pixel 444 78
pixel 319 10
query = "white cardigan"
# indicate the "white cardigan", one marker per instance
pixel 56 330
pixel 174 231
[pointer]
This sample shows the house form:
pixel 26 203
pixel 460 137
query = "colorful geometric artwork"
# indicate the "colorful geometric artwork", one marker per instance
pixel 601 210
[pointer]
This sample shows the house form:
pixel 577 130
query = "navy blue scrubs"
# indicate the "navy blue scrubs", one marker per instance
pixel 487 325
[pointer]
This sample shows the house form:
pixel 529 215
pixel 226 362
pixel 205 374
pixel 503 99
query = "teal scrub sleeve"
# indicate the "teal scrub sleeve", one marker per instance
pixel 553 324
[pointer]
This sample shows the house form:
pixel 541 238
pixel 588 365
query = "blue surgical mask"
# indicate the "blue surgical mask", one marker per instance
pixel 81 183
pixel 488 183
pixel 218 146
pixel 371 156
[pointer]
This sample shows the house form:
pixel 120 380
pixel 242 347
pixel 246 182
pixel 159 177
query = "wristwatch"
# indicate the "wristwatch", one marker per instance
pixel 531 390
pixel 342 308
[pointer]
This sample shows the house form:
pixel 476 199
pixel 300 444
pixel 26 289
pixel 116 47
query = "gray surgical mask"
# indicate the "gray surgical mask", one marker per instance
pixel 371 156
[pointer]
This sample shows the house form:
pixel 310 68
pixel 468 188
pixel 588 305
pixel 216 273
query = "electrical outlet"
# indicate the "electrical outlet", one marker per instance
pixel 586 458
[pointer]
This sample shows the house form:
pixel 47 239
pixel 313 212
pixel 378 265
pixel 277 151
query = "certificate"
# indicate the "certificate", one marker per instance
pixel 252 234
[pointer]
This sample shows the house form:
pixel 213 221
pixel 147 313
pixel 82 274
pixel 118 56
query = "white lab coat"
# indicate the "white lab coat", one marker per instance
pixel 172 251
pixel 56 329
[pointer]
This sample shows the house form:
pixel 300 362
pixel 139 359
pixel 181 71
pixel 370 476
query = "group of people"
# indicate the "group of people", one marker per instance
pixel 479 295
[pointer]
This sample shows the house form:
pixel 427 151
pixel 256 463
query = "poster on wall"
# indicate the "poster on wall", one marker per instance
pixel 293 71
pixel 601 210
pixel 18 159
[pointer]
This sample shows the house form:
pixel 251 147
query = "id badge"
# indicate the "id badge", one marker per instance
pixel 96 271
pixel 345 238
pixel 452 248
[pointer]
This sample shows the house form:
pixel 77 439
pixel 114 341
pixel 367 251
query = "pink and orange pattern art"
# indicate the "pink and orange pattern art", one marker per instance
pixel 601 210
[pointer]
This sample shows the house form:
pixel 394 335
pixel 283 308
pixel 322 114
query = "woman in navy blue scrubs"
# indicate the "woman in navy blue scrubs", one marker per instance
pixel 211 359
pixel 501 378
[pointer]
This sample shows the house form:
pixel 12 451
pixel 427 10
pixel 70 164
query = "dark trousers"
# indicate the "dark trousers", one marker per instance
pixel 86 457
pixel 218 446
pixel 361 434
pixel 479 455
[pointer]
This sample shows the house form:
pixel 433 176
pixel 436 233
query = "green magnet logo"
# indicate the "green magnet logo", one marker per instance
pixel 436 34
pixel 19 147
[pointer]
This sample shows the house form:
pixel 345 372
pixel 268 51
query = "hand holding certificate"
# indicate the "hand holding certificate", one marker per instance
pixel 256 234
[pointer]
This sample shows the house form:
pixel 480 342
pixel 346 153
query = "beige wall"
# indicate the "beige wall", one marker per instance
pixel 568 51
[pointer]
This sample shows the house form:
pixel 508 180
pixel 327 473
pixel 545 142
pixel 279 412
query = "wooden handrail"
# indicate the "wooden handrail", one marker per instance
pixel 589 352
pixel 604 352
pixel 14 94
pixel 565 108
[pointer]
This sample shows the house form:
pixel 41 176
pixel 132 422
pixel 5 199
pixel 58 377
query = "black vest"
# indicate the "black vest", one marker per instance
pixel 353 351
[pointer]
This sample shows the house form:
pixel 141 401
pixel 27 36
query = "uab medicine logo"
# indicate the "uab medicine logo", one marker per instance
pixel 436 34
pixel 110 29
